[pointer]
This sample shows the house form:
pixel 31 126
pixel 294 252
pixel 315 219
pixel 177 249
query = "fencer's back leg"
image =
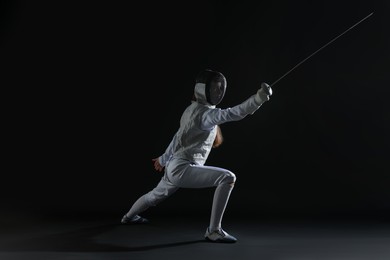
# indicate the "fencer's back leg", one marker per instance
pixel 161 192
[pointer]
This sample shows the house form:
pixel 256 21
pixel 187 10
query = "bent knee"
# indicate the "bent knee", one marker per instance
pixel 230 178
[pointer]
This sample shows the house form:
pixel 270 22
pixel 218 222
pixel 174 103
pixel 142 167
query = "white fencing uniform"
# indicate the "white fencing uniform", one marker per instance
pixel 185 157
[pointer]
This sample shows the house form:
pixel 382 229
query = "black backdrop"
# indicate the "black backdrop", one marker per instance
pixel 93 90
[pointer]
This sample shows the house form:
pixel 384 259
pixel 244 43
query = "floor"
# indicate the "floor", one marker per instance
pixel 182 238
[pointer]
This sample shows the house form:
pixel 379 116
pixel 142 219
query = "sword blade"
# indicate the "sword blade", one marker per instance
pixel 311 55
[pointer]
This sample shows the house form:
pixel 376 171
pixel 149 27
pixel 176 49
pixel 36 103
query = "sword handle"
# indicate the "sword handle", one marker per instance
pixel 266 88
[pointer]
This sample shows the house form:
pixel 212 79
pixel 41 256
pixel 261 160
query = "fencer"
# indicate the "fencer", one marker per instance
pixel 183 161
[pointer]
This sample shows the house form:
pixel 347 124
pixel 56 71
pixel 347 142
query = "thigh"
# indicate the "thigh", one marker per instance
pixel 198 176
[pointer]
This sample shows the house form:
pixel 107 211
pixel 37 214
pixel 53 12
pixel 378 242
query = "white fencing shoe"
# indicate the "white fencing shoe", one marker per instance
pixel 220 236
pixel 135 220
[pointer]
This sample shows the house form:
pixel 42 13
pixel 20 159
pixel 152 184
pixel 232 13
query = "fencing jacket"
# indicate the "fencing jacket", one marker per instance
pixel 194 138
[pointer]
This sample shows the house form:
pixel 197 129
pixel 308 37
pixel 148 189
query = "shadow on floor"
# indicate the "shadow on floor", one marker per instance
pixel 82 240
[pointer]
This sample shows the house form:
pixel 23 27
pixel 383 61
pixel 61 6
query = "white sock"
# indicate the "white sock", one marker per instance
pixel 220 200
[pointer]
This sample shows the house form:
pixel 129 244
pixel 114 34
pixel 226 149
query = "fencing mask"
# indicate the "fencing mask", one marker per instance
pixel 215 85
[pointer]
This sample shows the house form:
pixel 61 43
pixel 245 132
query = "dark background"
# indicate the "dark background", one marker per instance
pixel 93 90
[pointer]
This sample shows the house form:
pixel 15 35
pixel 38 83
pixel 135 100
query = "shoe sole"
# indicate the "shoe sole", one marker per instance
pixel 140 221
pixel 221 241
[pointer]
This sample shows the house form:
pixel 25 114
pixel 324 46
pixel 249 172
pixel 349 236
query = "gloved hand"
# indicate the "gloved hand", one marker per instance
pixel 263 94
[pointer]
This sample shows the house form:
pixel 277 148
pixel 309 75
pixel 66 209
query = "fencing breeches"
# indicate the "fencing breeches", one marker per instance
pixel 181 173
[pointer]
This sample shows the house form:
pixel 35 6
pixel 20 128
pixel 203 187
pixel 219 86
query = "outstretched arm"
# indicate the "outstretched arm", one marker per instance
pixel 219 116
